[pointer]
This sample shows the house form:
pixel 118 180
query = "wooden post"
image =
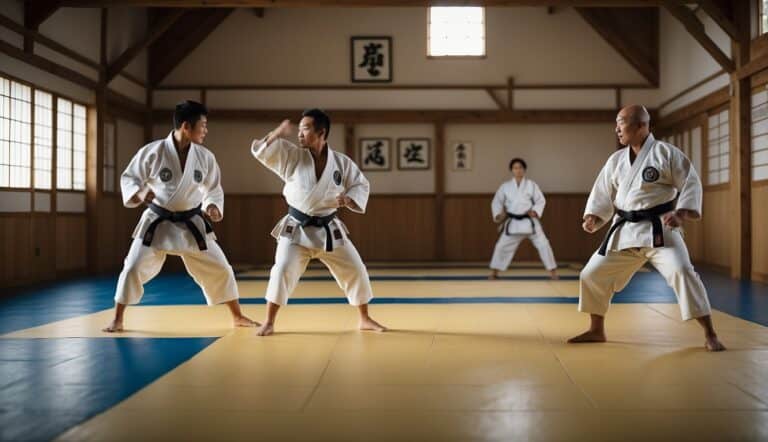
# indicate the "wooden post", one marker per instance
pixel 741 155
pixel 439 190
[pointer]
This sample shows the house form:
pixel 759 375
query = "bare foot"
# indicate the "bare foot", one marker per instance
pixel 114 327
pixel 588 336
pixel 714 344
pixel 493 277
pixel 553 275
pixel 265 330
pixel 244 321
pixel 369 324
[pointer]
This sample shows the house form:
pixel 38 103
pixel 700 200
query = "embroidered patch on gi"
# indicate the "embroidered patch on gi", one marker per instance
pixel 650 174
pixel 337 177
pixel 198 176
pixel 337 234
pixel 166 174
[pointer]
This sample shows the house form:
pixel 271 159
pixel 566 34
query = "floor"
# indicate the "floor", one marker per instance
pixel 467 359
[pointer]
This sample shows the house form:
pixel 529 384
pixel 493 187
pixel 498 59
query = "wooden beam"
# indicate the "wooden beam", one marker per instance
pixel 38 11
pixel 500 104
pixel 698 107
pixel 180 39
pixel 753 67
pixel 685 16
pixel 152 35
pixel 439 191
pixel 47 65
pixel 632 32
pixel 357 3
pixel 560 116
pixel 395 87
pixel 741 151
pixel 717 14
pixel 47 42
pixel 691 87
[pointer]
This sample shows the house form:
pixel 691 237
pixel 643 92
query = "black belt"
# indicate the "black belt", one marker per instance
pixel 524 216
pixel 178 217
pixel 316 221
pixel 636 216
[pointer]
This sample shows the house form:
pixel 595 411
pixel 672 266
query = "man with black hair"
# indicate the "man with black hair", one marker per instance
pixel 517 207
pixel 178 179
pixel 318 182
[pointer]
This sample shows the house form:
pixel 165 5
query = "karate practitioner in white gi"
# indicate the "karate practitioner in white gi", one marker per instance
pixel 651 187
pixel 518 206
pixel 318 182
pixel 177 178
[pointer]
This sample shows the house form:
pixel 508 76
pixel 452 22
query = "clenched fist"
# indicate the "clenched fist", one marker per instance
pixel 590 223
pixel 213 213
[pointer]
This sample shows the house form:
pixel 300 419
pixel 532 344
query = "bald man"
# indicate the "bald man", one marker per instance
pixel 647 188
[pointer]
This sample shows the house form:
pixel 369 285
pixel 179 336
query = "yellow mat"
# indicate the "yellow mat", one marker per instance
pixel 446 372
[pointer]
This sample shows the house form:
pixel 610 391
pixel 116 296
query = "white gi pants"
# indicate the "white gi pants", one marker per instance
pixel 344 263
pixel 209 268
pixel 605 275
pixel 506 246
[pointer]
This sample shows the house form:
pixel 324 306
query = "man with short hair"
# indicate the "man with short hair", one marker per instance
pixel 318 182
pixel 178 179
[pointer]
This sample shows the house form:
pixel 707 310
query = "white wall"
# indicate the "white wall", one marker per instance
pixel 230 142
pixel 126 26
pixel 395 180
pixel 684 62
pixel 304 46
pixel 78 29
pixel 130 138
pixel 561 158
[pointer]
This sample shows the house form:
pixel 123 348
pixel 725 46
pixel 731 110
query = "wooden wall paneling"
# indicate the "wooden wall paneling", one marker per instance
pixel 70 243
pixel 716 218
pixel 760 231
pixel 16 254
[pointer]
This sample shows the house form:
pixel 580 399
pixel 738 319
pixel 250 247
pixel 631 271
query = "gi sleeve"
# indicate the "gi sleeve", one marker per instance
pixel 213 193
pixel 687 183
pixel 539 202
pixel 281 156
pixel 356 187
pixel 133 180
pixel 600 201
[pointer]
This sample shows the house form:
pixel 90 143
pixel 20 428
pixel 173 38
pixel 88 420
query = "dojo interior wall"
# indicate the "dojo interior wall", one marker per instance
pixel 52 240
pixel 253 200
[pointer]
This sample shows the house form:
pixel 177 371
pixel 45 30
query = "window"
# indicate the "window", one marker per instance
pixel 109 157
pixel 719 150
pixel 28 116
pixel 43 148
pixel 15 134
pixel 456 32
pixel 70 145
pixel 763 17
pixel 760 136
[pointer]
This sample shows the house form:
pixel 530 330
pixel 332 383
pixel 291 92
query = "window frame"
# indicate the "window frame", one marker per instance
pixel 458 57
pixel 54 128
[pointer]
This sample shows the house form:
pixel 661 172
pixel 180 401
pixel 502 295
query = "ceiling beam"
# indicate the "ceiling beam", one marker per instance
pixel 719 15
pixel 555 116
pixel 632 32
pixel 36 12
pixel 685 16
pixel 180 39
pixel 152 35
pixel 359 3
